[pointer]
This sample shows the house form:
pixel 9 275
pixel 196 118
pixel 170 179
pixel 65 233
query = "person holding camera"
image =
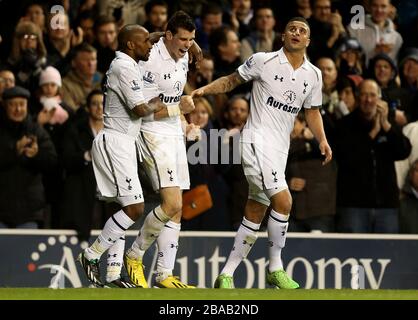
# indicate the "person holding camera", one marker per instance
pixel 27 152
pixel 367 145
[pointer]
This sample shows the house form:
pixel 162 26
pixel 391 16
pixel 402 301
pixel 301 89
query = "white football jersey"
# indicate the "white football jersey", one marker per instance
pixel 123 91
pixel 166 78
pixel 278 94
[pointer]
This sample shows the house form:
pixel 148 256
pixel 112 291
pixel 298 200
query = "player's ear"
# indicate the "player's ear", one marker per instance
pixel 308 42
pixel 130 45
pixel 168 35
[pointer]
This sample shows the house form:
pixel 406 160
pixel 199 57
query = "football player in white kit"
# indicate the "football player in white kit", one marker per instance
pixel 164 150
pixel 114 151
pixel 284 82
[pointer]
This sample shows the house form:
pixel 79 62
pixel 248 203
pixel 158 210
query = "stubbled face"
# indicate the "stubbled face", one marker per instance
pixel 211 22
pixel 17 109
pixel 238 112
pixel 158 16
pixel 180 43
pixel 232 46
pixel 265 20
pixel 106 34
pixel 296 36
pixel 142 45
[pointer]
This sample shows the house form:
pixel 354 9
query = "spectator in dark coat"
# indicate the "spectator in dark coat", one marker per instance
pixel 27 152
pixel 79 196
pixel 367 145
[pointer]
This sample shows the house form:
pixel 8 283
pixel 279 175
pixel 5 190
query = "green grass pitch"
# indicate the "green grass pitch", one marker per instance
pixel 203 294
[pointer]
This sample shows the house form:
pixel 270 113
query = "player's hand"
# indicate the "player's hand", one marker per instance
pixel 198 93
pixel 325 151
pixel 193 132
pixel 297 184
pixel 186 104
pixel 155 36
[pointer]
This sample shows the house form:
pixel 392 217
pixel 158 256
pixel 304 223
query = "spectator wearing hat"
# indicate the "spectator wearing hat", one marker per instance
pixel 409 80
pixel 383 69
pixel 27 152
pixel 350 57
pixel 379 34
pixel 28 55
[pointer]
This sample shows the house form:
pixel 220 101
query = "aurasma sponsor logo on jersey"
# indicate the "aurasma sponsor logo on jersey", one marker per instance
pixel 169 99
pixel 271 102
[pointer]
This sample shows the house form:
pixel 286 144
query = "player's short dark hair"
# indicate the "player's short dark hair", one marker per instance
pixel 218 37
pixel 180 19
pixel 91 95
pixel 153 3
pixel 300 19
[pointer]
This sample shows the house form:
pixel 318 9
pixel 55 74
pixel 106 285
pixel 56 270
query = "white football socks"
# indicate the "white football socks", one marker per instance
pixel 114 228
pixel 277 231
pixel 167 249
pixel 115 260
pixel 244 240
pixel 151 229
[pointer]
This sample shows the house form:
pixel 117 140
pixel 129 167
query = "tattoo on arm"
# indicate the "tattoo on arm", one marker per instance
pixel 225 84
pixel 145 109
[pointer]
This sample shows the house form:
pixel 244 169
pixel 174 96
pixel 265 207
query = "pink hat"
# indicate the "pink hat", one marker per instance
pixel 50 75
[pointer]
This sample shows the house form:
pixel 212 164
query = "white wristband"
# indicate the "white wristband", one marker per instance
pixel 173 111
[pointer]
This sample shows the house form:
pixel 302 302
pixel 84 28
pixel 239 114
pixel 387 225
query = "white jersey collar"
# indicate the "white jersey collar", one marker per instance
pixel 124 56
pixel 163 49
pixel 283 59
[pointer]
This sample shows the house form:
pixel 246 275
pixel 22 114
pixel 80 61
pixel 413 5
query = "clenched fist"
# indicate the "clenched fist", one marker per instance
pixel 186 104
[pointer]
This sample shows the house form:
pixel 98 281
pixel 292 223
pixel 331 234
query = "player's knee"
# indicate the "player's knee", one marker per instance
pixel 134 211
pixel 282 203
pixel 172 207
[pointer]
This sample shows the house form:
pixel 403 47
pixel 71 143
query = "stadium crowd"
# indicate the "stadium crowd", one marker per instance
pixel 52 66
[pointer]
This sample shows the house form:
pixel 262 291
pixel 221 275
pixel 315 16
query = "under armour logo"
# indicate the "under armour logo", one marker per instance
pixel 283 233
pixel 172 246
pixel 274 173
pixel 276 77
pixel 170 172
pixel 246 242
pixel 305 84
pixel 110 240
pixel 270 243
pixel 129 183
pixel 167 76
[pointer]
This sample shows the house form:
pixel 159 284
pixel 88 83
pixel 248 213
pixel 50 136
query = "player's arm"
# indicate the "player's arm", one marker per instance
pixel 185 106
pixel 314 121
pixel 155 105
pixel 220 85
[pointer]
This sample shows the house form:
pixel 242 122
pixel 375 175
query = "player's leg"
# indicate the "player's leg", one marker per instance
pixel 113 159
pixel 277 226
pixel 254 212
pixel 243 242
